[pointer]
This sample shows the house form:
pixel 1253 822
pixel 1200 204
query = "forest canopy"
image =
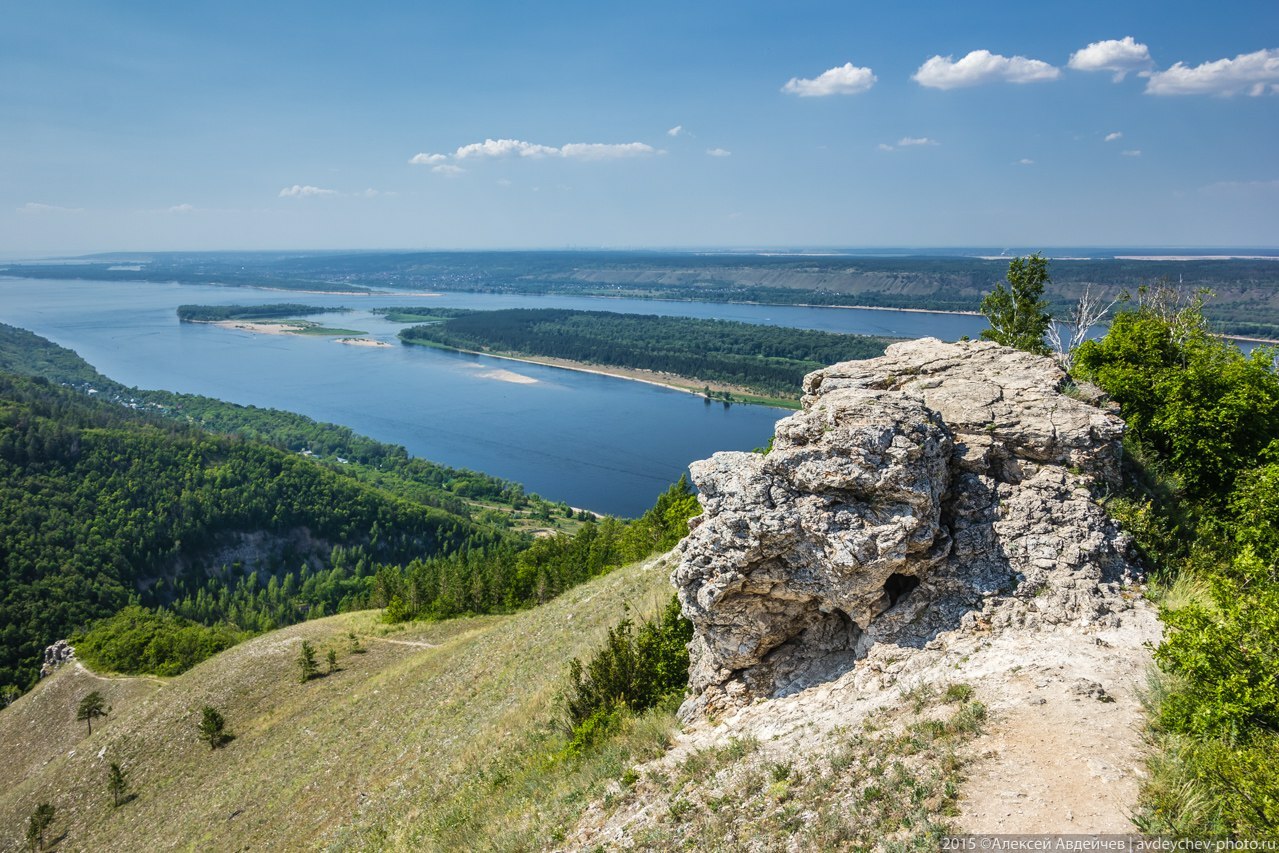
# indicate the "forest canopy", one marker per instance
pixel 769 360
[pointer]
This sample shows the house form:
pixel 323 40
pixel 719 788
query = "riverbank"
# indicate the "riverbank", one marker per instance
pixel 664 380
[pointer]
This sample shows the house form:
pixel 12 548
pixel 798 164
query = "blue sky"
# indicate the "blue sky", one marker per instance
pixel 136 126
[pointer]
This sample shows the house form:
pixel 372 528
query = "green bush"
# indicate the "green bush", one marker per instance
pixel 137 640
pixel 637 667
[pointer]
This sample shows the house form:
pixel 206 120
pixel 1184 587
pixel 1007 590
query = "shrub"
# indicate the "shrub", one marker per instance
pixel 637 667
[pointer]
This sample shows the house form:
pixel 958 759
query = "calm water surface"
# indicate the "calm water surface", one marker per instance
pixel 608 444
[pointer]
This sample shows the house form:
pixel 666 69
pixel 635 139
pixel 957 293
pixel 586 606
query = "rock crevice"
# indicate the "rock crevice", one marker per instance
pixel 940 486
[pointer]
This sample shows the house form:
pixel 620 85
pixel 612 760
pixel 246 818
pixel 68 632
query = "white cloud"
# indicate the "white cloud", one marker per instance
pixel 299 191
pixel 907 141
pixel 1256 73
pixel 182 208
pixel 1025 161
pixel 605 151
pixel 1117 55
pixel 1111 137
pixel 719 152
pixel 982 66
pixel 846 79
pixel 1132 152
pixel 884 146
pixel 427 159
pixel 504 148
pixel 497 148
pixel 38 207
pixel 447 169
pixel 676 130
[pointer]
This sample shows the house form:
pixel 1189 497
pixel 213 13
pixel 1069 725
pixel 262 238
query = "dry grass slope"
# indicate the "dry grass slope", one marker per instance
pixel 374 756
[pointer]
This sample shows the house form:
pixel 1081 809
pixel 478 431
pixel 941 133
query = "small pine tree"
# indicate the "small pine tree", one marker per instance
pixel 333 661
pixel 38 824
pixel 306 661
pixel 92 706
pixel 117 784
pixel 356 648
pixel 213 727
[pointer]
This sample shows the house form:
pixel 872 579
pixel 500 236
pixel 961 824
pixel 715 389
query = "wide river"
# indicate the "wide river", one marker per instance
pixel 594 441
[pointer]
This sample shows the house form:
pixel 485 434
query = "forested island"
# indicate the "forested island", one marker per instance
pixel 768 361
pixel 274 311
pixel 278 318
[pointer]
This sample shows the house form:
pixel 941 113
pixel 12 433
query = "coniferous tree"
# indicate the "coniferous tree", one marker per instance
pixel 92 706
pixel 38 824
pixel 306 662
pixel 117 784
pixel 213 727
pixel 333 661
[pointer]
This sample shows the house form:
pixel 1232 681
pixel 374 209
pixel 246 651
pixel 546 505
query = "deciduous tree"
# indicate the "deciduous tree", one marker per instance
pixel 1018 314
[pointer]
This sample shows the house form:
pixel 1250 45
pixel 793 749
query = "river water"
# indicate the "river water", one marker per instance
pixel 595 441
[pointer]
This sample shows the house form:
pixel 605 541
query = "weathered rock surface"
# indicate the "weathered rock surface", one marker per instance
pixel 939 487
pixel 55 656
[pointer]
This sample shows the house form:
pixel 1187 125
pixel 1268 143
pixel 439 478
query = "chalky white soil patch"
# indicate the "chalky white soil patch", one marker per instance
pixel 1061 751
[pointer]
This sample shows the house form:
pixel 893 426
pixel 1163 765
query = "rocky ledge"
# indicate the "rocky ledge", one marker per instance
pixel 940 487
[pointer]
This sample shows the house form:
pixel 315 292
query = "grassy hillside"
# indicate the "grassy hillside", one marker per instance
pixel 439 736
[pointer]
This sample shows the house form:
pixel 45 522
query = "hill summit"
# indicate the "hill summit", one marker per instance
pixel 926 532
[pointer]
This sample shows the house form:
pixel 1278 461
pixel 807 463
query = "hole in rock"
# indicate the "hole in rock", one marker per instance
pixel 899 586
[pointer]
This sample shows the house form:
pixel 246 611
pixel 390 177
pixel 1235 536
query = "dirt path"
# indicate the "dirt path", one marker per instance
pixel 418 643
pixel 1063 750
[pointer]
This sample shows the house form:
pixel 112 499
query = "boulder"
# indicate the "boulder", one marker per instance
pixel 937 487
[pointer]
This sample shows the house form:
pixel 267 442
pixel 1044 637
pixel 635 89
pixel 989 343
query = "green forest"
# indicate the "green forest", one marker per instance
pixel 274 311
pixel 101 505
pixel 769 360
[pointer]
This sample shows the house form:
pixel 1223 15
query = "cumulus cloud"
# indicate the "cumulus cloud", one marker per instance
pixel 719 152
pixel 427 159
pixel 1255 73
pixel 676 130
pixel 846 79
pixel 498 148
pixel 1117 55
pixel 1132 152
pixel 308 191
pixel 907 141
pixel 982 66
pixel 39 207
pixel 605 151
pixel 1025 161
pixel 1111 137
pixel 447 169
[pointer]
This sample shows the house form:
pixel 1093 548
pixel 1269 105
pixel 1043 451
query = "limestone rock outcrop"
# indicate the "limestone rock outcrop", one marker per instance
pixel 55 656
pixel 939 487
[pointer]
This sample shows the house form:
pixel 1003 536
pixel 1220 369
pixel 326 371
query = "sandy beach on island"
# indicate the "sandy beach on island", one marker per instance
pixel 362 342
pixel 259 328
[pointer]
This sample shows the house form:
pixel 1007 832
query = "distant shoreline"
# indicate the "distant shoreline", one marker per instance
pixel 630 373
